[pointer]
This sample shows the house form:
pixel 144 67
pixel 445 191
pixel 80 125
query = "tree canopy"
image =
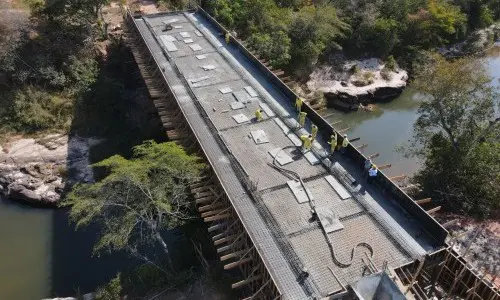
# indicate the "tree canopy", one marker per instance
pixel 457 134
pixel 138 199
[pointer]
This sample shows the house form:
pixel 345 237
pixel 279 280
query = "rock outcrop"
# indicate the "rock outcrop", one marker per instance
pixel 352 83
pixel 476 42
pixel 37 171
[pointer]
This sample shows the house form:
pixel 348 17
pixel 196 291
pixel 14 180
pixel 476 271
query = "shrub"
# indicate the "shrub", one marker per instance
pixel 386 74
pixel 110 291
pixel 390 63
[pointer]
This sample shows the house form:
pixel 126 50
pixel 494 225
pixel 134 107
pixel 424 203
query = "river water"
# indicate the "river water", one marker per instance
pixel 41 255
pixel 391 124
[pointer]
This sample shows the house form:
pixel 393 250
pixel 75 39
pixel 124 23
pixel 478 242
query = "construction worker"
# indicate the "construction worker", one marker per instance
pixel 258 115
pixel 302 118
pixel 372 173
pixel 306 142
pixel 314 131
pixel 298 104
pixel 345 143
pixel 333 142
pixel 227 37
pixel 368 164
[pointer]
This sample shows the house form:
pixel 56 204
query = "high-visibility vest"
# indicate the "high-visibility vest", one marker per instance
pixel 345 142
pixel 314 131
pixel 333 142
pixel 306 141
pixel 302 118
pixel 258 115
pixel 298 103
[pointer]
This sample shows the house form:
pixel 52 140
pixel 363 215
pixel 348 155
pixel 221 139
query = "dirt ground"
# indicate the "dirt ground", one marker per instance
pixel 478 241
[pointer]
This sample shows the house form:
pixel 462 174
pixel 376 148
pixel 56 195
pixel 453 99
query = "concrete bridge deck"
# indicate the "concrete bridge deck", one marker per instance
pixel 218 90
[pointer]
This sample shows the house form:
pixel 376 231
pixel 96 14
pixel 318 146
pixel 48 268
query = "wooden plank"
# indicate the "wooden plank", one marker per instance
pixel 225 239
pixel 244 282
pixel 386 166
pixel 279 72
pixel 423 201
pixel 433 210
pixel 233 255
pixel 449 223
pixel 210 206
pixel 374 155
pixel 216 218
pixel 216 227
pixel 205 199
pixel 399 177
pixel 237 263
pixel 362 146
pixel 212 212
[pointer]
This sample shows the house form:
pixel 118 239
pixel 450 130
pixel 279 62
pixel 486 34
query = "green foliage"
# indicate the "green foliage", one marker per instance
pixel 385 36
pixel 138 198
pixel 110 291
pixel 274 45
pixel 390 63
pixel 457 135
pixel 34 109
pixel 313 31
pixel 435 24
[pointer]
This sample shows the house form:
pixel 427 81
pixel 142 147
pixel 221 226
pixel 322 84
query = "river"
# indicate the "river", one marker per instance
pixel 41 255
pixel 391 124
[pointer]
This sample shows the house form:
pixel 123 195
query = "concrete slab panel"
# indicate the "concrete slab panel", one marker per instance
pixel 198 79
pixel 329 219
pixel 269 112
pixel 242 96
pixel 225 90
pixel 259 136
pixel 178 26
pixel 299 192
pixel 251 91
pixel 208 67
pixel 195 47
pixel 188 41
pixel 200 57
pixel 281 157
pixel 237 105
pixel 338 187
pixel 170 46
pixel 240 118
pixel 311 158
pixel 167 38
pixel 294 139
pixel 185 34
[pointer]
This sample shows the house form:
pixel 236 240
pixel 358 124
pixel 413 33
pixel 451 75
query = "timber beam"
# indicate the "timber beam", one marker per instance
pixel 433 210
pixel 423 201
pixel 399 177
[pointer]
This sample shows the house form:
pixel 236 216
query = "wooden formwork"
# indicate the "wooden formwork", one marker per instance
pixel 446 275
pixel 234 247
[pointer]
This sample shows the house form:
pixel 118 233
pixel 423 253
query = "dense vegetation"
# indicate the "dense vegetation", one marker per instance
pixel 294 34
pixel 138 199
pixel 457 134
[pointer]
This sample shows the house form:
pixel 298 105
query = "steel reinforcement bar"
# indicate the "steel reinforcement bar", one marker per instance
pixel 235 246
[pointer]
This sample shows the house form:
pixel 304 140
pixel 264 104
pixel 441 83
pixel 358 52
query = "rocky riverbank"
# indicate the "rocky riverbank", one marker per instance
pixel 351 83
pixel 477 42
pixel 38 171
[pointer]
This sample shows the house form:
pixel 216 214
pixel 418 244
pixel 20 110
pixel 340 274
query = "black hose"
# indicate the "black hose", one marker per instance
pixel 313 207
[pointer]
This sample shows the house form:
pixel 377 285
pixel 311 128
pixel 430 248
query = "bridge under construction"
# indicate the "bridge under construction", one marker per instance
pixel 287 224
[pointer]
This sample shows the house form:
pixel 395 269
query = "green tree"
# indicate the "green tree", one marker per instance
pixel 111 290
pixel 458 135
pixel 138 199
pixel 385 36
pixel 435 24
pixel 314 30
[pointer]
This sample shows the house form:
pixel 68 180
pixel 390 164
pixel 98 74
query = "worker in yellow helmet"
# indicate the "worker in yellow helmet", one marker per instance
pixel 345 143
pixel 258 115
pixel 333 142
pixel 227 37
pixel 302 118
pixel 314 131
pixel 306 142
pixel 298 104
